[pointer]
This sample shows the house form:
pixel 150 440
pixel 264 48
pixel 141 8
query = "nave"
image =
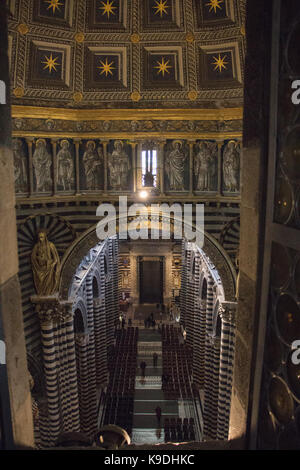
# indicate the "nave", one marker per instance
pixel 166 384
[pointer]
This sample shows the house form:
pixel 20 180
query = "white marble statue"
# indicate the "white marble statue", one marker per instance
pixel 231 166
pixel 65 166
pixel 42 166
pixel 93 165
pixel 118 167
pixel 175 165
pixel 20 166
pixel 205 165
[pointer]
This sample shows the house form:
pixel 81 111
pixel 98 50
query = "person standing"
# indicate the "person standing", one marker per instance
pixel 158 413
pixel 143 366
pixel 155 358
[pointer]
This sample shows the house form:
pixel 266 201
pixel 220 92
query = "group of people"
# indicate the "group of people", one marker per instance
pixel 143 364
pixel 121 323
pixel 149 321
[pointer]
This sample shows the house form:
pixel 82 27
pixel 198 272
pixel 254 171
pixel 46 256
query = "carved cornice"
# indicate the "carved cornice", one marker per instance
pixel 225 114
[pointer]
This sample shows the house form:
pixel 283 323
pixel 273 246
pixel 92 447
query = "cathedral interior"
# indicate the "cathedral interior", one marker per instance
pixel 127 342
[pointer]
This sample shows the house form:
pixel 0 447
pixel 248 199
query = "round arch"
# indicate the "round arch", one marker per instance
pixel 83 244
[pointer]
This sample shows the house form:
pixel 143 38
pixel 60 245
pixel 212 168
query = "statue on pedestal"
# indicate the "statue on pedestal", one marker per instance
pixel 45 265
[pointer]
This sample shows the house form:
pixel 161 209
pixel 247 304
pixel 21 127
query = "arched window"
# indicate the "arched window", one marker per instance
pixel 149 168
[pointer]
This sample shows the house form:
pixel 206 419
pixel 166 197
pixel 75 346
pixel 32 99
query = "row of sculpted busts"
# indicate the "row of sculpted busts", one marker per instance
pixel 119 166
pixel 205 166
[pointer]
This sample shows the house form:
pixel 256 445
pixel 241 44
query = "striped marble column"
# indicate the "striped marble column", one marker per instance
pixel 199 350
pixel 183 284
pixel 208 387
pixel 60 370
pixel 81 340
pixel 213 418
pixel 100 342
pixel 73 410
pixel 227 312
pixel 189 297
pixel 91 356
pixel 53 422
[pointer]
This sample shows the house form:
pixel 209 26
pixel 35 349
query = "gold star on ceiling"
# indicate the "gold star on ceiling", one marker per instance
pixel 106 67
pixel 220 63
pixel 50 63
pixel 161 7
pixel 163 66
pixel 54 4
pixel 214 4
pixel 108 8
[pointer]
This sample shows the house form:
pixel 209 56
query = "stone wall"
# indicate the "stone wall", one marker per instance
pixel 10 295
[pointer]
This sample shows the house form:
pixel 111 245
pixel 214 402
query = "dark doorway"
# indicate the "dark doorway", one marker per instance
pixel 151 280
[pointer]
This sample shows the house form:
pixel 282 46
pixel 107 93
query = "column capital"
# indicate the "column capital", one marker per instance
pixel 50 309
pixel 214 341
pixel 97 302
pixel 227 311
pixel 82 339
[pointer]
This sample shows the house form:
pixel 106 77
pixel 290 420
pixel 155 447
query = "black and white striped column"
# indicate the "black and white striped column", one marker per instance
pixel 227 312
pixel 209 354
pixel 53 422
pixel 91 356
pixel 82 340
pixel 100 342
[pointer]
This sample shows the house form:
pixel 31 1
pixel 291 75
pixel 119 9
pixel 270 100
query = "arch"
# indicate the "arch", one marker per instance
pixel 95 286
pixel 216 320
pixel 203 289
pixel 82 245
pixel 78 321
pixel 80 317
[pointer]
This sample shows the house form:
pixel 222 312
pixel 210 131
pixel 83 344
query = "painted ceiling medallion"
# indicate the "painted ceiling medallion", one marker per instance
pixel 220 63
pixel 161 7
pixel 50 63
pixel 108 8
pixel 163 67
pixel 106 68
pixel 54 4
pixel 214 5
